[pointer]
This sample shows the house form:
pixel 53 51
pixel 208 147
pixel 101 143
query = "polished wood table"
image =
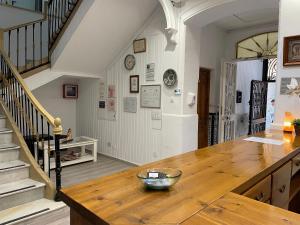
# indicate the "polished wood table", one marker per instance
pixel 210 175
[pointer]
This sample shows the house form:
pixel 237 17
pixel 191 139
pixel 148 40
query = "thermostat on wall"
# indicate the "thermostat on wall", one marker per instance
pixel 177 91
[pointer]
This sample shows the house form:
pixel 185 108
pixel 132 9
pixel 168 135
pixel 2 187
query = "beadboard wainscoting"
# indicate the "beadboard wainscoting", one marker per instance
pixel 135 137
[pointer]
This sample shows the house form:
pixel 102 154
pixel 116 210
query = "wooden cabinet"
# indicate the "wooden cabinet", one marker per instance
pixel 261 191
pixel 281 186
pixel 295 165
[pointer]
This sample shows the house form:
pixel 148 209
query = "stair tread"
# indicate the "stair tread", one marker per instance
pixel 5 130
pixel 18 187
pixel 12 165
pixel 8 146
pixel 27 209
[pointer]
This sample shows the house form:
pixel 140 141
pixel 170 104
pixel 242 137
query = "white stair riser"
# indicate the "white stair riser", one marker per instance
pixel 12 175
pixel 2 123
pixel 9 155
pixel 55 217
pixel 21 198
pixel 5 138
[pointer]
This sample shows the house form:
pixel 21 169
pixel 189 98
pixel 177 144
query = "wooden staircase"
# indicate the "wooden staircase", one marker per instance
pixel 27 195
pixel 23 199
pixel 30 45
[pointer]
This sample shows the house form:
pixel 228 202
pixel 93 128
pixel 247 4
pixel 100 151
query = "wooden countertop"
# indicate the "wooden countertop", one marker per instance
pixel 208 175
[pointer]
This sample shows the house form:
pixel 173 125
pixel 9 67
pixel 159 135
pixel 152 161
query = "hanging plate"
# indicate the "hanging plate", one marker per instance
pixel 170 78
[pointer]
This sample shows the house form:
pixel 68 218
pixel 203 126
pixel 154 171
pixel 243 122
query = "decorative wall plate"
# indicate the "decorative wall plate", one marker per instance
pixel 129 62
pixel 170 78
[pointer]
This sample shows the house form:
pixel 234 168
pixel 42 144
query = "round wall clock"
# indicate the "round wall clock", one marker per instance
pixel 129 62
pixel 170 78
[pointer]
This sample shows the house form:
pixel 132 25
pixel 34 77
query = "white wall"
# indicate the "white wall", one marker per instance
pixel 246 72
pixel 132 137
pixel 288 26
pixel 99 31
pixel 212 48
pixel 51 97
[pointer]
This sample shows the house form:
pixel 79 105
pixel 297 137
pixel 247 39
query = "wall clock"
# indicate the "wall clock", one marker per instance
pixel 170 78
pixel 129 62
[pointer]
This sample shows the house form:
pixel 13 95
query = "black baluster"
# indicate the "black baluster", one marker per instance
pixel 42 140
pixel 49 153
pixel 9 36
pixel 18 50
pixel 41 41
pixel 26 47
pixel 33 41
pixel 23 112
pixel 57 166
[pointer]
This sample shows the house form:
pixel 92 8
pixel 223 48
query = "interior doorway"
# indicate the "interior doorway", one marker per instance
pixel 248 97
pixel 203 106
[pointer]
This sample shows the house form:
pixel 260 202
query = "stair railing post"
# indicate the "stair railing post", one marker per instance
pixel 57 131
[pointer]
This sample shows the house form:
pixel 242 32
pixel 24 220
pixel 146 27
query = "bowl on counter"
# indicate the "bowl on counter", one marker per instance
pixel 159 179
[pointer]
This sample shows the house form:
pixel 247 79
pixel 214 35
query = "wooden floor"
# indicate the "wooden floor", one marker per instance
pixel 86 171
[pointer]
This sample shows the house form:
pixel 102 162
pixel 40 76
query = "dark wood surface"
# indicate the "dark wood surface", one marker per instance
pixel 208 174
pixel 203 107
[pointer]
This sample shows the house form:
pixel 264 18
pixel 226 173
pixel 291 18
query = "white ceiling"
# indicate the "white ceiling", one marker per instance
pixel 248 19
pixel 98 32
pixel 237 14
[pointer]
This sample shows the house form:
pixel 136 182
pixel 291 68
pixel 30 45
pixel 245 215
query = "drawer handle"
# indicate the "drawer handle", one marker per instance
pixel 282 189
pixel 297 163
pixel 260 197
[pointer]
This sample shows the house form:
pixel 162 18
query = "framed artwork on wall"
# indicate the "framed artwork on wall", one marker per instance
pixel 151 96
pixel 291 51
pixel 70 91
pixel 139 45
pixel 134 84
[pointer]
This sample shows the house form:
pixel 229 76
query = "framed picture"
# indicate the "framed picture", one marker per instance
pixel 70 91
pixel 291 51
pixel 139 45
pixel 151 96
pixel 134 84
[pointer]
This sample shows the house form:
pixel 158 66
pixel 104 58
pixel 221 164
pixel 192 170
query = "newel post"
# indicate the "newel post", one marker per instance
pixel 57 131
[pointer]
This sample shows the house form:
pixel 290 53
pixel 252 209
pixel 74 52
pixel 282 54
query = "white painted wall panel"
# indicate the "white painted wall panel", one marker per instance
pixel 131 137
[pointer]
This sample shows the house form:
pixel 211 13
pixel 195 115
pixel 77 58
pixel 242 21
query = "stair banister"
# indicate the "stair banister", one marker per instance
pixel 29 114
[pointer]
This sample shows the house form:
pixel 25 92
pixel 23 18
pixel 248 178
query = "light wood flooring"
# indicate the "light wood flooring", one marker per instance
pixel 86 171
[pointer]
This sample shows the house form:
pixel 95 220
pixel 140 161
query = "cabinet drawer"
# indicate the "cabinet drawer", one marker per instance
pixel 281 186
pixel 295 165
pixel 261 191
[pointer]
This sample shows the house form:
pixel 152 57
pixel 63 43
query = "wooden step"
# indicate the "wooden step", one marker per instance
pixel 13 170
pixel 5 136
pixel 9 152
pixel 42 211
pixel 20 192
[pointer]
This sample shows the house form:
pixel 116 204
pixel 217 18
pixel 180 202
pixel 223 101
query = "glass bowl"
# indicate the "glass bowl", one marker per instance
pixel 159 179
